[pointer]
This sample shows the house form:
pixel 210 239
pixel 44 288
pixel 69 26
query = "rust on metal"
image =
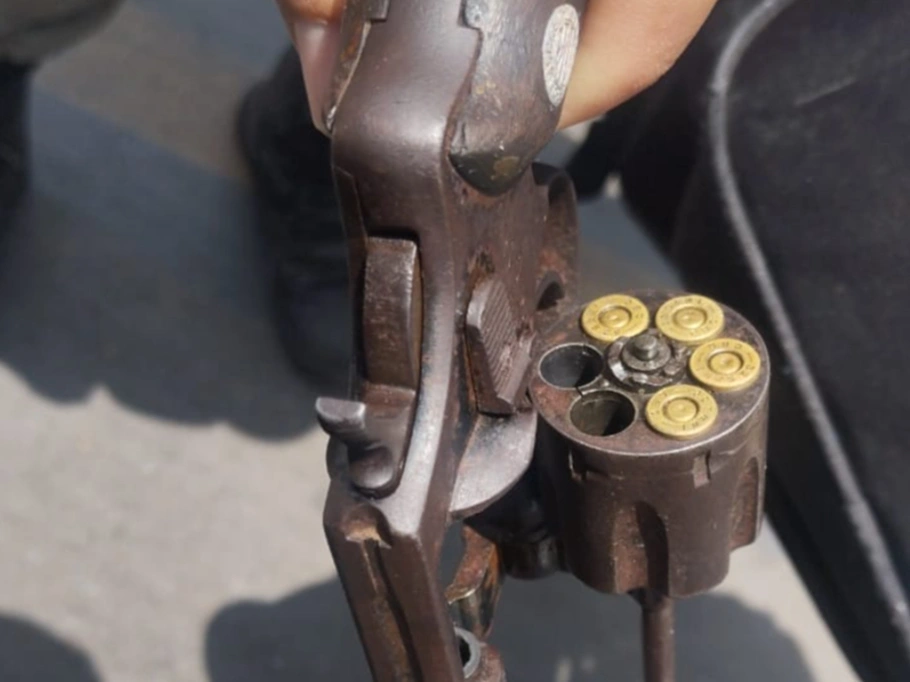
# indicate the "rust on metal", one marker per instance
pixel 624 494
pixel 481 391
pixel 393 312
pixel 474 593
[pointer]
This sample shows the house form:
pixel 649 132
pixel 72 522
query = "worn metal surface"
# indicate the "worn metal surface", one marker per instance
pixel 492 146
pixel 474 592
pixel 658 630
pixel 461 258
pixel 636 509
pixel 499 349
pixel 659 364
pixel 413 162
pixel 644 502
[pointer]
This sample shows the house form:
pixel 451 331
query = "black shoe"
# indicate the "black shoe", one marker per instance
pixel 290 164
pixel 14 83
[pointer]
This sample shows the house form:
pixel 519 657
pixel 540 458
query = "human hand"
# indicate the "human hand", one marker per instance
pixel 625 46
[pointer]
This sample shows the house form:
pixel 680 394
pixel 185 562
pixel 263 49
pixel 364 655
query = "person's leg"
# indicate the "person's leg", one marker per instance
pixel 13 88
pixel 30 30
pixel 290 164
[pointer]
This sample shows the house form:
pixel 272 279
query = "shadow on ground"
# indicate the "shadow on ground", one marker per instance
pixel 131 271
pixel 29 653
pixel 555 631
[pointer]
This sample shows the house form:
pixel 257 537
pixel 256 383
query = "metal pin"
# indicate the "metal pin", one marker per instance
pixel 645 347
pixel 658 637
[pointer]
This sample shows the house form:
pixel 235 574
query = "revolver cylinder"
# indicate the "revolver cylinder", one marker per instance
pixel 653 418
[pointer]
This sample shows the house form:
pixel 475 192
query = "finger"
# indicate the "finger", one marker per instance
pixel 625 46
pixel 314 27
pixel 311 10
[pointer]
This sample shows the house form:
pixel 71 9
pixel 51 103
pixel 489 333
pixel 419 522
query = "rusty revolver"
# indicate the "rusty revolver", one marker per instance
pixel 622 441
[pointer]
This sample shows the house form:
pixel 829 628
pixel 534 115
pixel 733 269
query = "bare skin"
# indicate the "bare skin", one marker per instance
pixel 626 45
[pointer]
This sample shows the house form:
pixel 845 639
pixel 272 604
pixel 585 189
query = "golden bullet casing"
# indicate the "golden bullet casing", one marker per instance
pixel 612 317
pixel 690 319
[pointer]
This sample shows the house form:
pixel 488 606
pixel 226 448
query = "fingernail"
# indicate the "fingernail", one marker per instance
pixel 317 43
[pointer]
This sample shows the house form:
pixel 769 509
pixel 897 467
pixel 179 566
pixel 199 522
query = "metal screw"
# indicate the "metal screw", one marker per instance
pixel 645 347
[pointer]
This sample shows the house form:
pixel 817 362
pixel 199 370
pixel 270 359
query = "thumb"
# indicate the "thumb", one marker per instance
pixel 315 31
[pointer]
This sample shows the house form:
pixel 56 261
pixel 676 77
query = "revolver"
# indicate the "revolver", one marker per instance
pixel 621 440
